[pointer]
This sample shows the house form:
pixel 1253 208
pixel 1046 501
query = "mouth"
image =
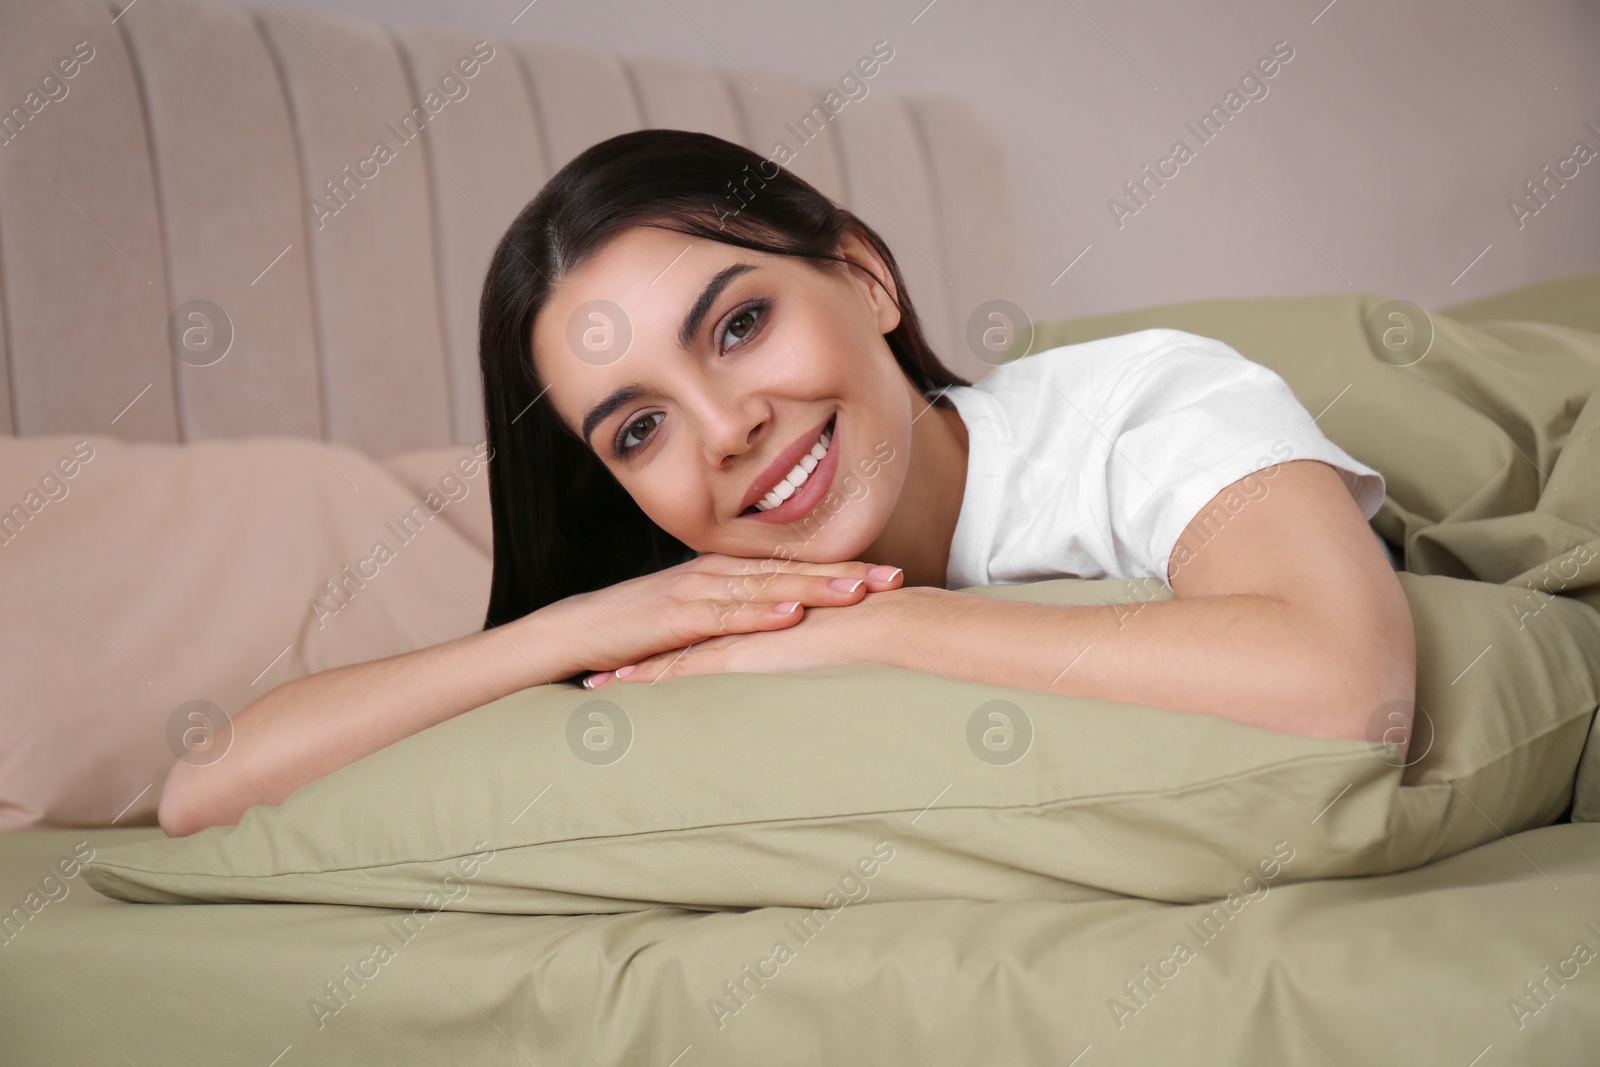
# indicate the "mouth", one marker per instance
pixel 797 480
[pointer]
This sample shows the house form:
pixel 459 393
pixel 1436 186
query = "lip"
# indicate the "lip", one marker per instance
pixel 816 484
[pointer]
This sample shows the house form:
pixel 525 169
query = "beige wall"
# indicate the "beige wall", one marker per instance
pixel 1382 156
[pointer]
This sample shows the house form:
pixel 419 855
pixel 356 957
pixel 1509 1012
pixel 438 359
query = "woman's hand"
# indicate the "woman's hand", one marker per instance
pixel 858 633
pixel 710 597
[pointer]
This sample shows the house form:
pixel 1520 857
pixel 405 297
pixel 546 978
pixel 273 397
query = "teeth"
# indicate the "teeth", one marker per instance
pixel 797 475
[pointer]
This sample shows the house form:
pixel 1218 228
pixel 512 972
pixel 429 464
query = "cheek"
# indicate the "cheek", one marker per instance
pixel 671 510
pixel 816 346
pixel 800 360
pixel 674 494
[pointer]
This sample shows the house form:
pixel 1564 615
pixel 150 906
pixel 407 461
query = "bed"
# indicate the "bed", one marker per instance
pixel 1485 954
pixel 1411 967
pixel 209 542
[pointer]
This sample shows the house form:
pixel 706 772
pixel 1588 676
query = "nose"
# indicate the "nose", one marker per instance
pixel 732 435
pixel 730 425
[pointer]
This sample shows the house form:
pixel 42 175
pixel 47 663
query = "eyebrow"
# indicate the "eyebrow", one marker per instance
pixel 627 394
pixel 708 296
pixel 691 325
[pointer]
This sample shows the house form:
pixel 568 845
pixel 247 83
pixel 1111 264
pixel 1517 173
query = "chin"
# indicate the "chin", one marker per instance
pixel 831 536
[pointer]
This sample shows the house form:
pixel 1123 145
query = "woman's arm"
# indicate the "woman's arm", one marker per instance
pixel 314 725
pixel 1288 617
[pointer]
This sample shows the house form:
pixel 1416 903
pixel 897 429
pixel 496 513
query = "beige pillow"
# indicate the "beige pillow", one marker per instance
pixel 141 577
pixel 453 480
pixel 747 790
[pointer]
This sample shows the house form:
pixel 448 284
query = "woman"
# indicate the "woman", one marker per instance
pixel 720 442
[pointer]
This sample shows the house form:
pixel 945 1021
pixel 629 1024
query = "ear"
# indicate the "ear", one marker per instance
pixel 869 271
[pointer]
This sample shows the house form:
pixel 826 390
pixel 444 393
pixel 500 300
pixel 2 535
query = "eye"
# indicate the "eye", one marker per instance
pixel 626 441
pixel 743 324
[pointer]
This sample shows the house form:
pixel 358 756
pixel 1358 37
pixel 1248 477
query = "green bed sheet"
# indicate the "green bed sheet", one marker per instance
pixel 1487 958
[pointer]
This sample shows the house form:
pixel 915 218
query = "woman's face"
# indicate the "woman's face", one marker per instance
pixel 700 373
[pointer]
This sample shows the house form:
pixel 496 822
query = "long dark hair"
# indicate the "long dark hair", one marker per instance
pixel 563 524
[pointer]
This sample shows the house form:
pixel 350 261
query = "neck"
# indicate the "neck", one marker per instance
pixel 917 536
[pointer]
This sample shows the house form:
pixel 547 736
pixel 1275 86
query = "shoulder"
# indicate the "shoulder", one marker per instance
pixel 1124 354
pixel 1108 371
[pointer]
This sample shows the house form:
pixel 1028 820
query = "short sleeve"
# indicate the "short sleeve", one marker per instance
pixel 1191 421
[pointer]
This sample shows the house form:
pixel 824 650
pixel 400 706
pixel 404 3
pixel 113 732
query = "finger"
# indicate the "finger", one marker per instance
pixel 877 575
pixel 883 576
pixel 745 616
pixel 598 680
pixel 779 588
pixel 662 665
pixel 817 590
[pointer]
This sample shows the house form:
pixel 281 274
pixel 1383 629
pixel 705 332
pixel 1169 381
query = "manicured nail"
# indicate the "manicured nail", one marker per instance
pixel 883 574
pixel 588 680
pixel 623 672
pixel 846 585
pixel 788 607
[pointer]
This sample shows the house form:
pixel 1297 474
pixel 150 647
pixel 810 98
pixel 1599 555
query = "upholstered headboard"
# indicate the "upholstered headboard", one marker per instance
pixel 185 156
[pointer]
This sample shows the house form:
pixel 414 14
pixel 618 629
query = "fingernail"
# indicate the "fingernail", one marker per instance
pixel 846 585
pixel 588 680
pixel 623 672
pixel 788 607
pixel 883 574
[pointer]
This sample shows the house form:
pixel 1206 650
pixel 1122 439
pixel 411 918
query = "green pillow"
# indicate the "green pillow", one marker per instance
pixel 821 786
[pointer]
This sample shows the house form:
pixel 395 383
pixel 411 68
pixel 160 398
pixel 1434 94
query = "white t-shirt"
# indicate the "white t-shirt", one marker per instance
pixel 1089 460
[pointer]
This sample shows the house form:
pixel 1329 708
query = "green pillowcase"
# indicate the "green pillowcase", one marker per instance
pixel 748 790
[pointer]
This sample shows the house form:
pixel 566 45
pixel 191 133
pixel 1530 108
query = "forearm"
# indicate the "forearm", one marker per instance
pixel 1272 664
pixel 314 725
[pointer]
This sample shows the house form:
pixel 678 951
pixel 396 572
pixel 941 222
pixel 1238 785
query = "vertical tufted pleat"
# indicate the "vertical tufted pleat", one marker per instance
pixel 582 97
pixel 789 113
pixel 888 185
pixel 231 215
pixel 369 230
pixel 674 95
pixel 485 163
pixel 7 423
pixel 203 140
pixel 974 212
pixel 80 245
